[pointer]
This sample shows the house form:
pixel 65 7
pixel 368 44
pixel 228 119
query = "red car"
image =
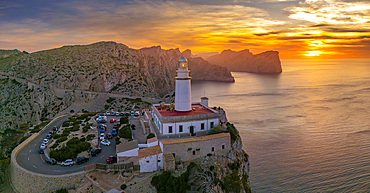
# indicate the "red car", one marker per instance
pixel 112 120
pixel 55 129
pixel 111 159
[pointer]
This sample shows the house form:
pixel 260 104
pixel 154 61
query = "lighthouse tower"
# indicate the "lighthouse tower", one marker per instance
pixel 183 87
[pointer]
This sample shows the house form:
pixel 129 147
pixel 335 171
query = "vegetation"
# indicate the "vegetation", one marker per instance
pixel 231 183
pixel 63 190
pixel 150 135
pixel 168 183
pixel 90 137
pixel 37 128
pixel 73 147
pixel 123 186
pixel 117 140
pixel 230 128
pixel 123 120
pixel 125 132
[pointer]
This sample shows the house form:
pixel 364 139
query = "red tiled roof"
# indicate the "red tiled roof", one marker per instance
pixel 192 139
pixel 152 139
pixel 199 110
pixel 149 151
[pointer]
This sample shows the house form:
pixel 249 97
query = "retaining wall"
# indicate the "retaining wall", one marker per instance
pixel 28 182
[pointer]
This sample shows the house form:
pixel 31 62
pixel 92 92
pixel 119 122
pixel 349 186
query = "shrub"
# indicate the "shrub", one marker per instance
pixel 117 140
pixel 133 127
pixel 73 147
pixel 125 132
pixel 90 137
pixel 61 139
pixel 151 135
pixel 62 191
pixel 231 183
pixel 123 186
pixel 56 136
pixel 124 120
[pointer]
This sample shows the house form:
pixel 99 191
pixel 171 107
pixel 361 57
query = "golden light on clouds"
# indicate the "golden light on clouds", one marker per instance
pixel 311 28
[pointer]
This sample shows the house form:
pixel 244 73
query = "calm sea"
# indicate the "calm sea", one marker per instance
pixel 305 130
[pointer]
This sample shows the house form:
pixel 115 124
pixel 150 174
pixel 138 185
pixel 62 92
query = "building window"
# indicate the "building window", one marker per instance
pixel 223 146
pixel 159 160
pixel 202 126
pixel 174 155
pixel 212 123
pixel 193 152
pixel 180 128
pixel 169 129
pixel 147 161
pixel 213 149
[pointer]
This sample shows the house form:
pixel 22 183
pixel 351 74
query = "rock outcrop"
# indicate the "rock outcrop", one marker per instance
pixel 107 67
pixel 244 61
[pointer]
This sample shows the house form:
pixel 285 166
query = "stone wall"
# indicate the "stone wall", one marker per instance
pixel 28 182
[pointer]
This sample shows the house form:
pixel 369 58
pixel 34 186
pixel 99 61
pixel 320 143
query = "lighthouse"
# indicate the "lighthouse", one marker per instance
pixel 183 86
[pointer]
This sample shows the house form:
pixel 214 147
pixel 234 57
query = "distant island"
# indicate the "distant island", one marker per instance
pixel 244 61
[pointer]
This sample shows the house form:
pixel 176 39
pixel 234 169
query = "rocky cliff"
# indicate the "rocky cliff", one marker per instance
pixel 107 67
pixel 244 61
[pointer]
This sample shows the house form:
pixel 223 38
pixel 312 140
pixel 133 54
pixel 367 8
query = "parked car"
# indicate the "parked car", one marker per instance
pixel 113 120
pixel 95 151
pixel 109 136
pixel 127 114
pixel 55 128
pixel 132 114
pixel 51 161
pixel 115 126
pixel 45 141
pixel 105 142
pixel 101 136
pixel 112 113
pixel 81 160
pixel 137 113
pixel 68 162
pixel 107 113
pixel 102 130
pixel 117 113
pixel 41 151
pixel 100 126
pixel 111 159
pixel 114 132
pixel 42 146
pixel 121 113
pixel 48 136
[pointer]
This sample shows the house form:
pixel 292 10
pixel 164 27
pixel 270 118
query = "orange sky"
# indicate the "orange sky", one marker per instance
pixel 297 29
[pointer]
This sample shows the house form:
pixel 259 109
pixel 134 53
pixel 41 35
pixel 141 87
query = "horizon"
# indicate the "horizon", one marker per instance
pixel 309 29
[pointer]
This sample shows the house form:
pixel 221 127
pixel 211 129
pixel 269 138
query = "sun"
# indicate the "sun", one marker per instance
pixel 313 53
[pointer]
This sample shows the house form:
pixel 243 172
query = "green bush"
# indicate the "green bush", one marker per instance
pixel 123 186
pixel 56 136
pixel 73 147
pixel 62 191
pixel 61 139
pixel 24 126
pixel 117 140
pixel 125 132
pixel 231 183
pixel 151 135
pixel 123 120
pixel 133 127
pixel 90 137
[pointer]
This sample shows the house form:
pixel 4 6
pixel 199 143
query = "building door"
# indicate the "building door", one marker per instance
pixel 192 129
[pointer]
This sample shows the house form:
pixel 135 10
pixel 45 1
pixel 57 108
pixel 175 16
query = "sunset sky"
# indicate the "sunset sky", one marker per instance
pixel 297 29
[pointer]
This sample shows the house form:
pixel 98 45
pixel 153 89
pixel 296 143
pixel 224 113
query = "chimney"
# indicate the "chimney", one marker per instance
pixel 204 101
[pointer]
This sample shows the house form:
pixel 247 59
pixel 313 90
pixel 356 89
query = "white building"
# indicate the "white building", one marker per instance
pixel 186 117
pixel 151 159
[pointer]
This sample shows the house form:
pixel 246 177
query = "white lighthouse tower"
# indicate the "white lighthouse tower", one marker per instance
pixel 183 87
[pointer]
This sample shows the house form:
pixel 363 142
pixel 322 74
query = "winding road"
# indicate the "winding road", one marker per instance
pixel 30 159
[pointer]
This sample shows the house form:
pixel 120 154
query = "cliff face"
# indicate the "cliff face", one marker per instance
pixel 107 67
pixel 244 61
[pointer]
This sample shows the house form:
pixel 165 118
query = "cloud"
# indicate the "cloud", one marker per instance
pixel 331 12
pixel 234 41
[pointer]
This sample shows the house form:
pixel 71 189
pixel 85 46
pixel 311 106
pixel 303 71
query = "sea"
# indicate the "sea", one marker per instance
pixel 306 129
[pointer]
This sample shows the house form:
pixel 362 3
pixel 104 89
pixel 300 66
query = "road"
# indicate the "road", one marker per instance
pixel 30 159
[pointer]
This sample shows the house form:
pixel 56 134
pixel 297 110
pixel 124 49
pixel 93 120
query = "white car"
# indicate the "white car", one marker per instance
pixel 68 162
pixel 117 113
pixel 101 136
pixel 107 113
pixel 43 146
pixel 105 142
pixel 45 141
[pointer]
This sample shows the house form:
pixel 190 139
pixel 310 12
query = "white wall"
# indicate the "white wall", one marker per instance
pixel 149 164
pixel 186 126
pixel 128 153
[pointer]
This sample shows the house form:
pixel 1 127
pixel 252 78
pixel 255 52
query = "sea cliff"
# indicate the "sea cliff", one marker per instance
pixel 244 61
